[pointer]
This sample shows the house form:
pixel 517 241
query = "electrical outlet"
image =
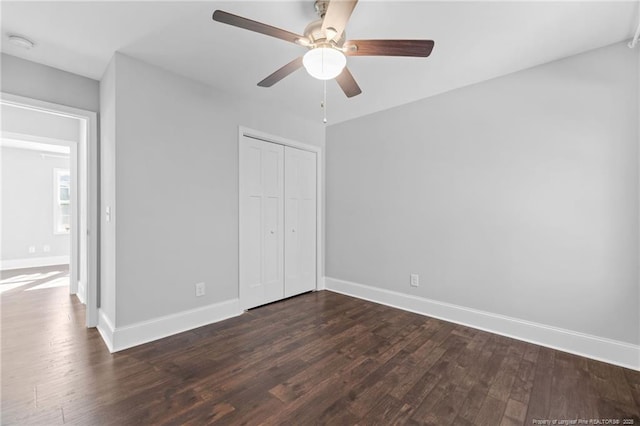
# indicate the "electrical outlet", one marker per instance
pixel 32 249
pixel 199 289
pixel 46 248
pixel 415 280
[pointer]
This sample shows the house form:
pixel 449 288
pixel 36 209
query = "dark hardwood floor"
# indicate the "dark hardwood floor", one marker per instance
pixel 320 358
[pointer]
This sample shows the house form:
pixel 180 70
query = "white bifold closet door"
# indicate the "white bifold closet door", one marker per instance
pixel 299 221
pixel 261 222
pixel 277 222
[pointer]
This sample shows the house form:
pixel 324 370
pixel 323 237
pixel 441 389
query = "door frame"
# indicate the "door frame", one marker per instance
pixel 84 158
pixel 266 137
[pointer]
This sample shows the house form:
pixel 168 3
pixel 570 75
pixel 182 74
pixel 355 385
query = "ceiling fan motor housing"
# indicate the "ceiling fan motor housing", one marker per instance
pixel 314 34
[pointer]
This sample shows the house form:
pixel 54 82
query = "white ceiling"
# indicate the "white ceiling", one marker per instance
pixel 474 41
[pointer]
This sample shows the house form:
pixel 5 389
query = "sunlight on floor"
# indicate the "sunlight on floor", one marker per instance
pixel 32 277
pixel 58 282
pixel 7 287
pixel 26 279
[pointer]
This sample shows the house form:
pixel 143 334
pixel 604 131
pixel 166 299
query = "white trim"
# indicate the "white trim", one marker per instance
pixel 256 134
pixel 57 174
pixel 636 36
pixel 82 292
pixel 599 348
pixel 119 338
pixel 36 143
pixel 638 168
pixel 86 163
pixel 105 328
pixel 33 262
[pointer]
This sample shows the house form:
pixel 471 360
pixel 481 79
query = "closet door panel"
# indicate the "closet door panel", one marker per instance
pixel 300 221
pixel 261 222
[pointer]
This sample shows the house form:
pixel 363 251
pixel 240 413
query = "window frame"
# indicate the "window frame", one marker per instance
pixel 57 202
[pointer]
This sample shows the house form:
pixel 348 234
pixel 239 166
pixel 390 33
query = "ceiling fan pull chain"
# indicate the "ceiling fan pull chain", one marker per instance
pixel 324 101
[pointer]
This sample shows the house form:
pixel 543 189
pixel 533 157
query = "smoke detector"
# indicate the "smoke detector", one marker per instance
pixel 21 42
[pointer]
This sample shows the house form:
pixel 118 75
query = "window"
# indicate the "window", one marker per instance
pixel 61 201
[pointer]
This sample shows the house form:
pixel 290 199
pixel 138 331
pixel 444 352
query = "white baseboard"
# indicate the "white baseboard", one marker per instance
pixel 105 328
pixel 33 262
pixel 119 338
pixel 598 348
pixel 321 284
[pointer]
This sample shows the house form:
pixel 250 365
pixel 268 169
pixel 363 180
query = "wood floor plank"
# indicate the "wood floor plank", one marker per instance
pixel 540 398
pixel 320 358
pixel 383 412
pixel 491 412
pixel 515 413
pixel 523 382
pixel 501 386
pixel 634 384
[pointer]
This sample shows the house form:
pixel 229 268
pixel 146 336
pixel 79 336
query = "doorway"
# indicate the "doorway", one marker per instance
pixel 279 218
pixel 55 130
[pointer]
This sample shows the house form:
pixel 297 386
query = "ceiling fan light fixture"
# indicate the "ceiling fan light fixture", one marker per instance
pixel 324 63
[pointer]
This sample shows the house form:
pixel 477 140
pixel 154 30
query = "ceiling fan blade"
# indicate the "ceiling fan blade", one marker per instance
pixel 337 16
pixel 258 27
pixel 418 48
pixel 282 73
pixel 348 83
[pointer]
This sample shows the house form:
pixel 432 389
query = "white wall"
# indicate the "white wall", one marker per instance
pixel 517 196
pixel 36 81
pixel 27 205
pixel 176 187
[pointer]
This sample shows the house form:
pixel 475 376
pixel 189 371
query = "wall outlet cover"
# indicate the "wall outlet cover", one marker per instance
pixel 46 248
pixel 200 289
pixel 32 249
pixel 415 280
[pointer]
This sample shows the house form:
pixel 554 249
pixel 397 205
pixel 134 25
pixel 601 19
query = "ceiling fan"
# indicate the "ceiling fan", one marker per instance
pixel 326 40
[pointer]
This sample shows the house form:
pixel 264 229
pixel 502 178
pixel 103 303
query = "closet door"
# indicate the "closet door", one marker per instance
pixel 261 222
pixel 300 221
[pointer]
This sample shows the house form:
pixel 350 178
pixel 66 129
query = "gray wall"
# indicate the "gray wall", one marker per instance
pixel 40 124
pixel 107 252
pixel 176 187
pixel 517 196
pixel 27 204
pixel 36 81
